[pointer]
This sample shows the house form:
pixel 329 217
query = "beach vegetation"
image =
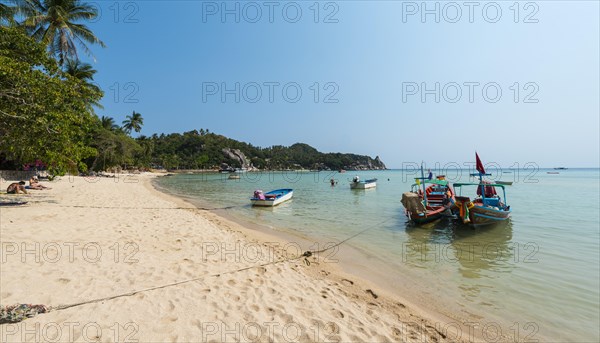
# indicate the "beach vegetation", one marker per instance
pixel 45 113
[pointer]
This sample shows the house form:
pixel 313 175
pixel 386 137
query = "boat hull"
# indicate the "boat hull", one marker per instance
pixel 484 215
pixel 425 220
pixel 285 196
pixel 427 217
pixel 362 185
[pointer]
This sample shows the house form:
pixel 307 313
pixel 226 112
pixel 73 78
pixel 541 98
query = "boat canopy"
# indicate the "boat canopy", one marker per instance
pixel 436 182
pixel 457 186
pixel 477 184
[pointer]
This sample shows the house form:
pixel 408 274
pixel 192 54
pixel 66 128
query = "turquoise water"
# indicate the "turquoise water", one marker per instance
pixel 536 276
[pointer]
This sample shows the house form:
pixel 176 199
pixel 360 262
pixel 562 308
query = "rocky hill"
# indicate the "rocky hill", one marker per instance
pixel 204 150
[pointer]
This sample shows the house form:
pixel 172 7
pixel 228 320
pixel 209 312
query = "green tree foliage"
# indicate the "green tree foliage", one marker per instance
pixel 109 123
pixel 143 158
pixel 57 25
pixel 7 13
pixel 81 71
pixel 84 73
pixel 133 122
pixel 114 149
pixel 204 150
pixel 44 113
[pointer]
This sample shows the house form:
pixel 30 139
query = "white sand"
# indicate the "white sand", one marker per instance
pixel 87 240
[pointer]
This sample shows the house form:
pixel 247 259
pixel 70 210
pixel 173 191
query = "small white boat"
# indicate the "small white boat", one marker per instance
pixel 272 198
pixel 357 184
pixel 233 177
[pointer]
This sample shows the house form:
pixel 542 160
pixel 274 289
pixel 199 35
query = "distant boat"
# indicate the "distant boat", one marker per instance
pixel 272 198
pixel 357 184
pixel 507 172
pixel 488 207
pixel 508 183
pixel 552 173
pixel 342 171
pixel 233 177
pixel 428 199
pixel 560 168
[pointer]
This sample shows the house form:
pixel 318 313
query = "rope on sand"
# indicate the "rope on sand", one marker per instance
pixel 19 312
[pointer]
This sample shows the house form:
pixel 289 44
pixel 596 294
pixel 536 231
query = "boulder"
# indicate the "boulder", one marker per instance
pixel 236 154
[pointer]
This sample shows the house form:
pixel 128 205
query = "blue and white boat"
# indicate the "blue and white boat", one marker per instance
pixel 358 184
pixel 272 198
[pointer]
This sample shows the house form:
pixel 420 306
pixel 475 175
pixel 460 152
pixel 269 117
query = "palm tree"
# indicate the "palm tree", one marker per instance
pixel 147 146
pixel 81 71
pixel 109 123
pixel 7 14
pixel 133 122
pixel 84 73
pixel 55 23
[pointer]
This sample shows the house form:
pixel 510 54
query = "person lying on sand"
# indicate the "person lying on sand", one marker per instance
pixel 16 187
pixel 35 184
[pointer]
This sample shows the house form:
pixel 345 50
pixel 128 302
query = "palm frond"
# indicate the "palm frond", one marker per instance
pixel 55 23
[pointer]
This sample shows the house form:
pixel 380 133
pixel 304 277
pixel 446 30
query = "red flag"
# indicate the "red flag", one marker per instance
pixel 478 164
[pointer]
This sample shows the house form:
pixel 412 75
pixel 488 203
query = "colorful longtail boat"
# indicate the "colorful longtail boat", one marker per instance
pixel 487 207
pixel 428 199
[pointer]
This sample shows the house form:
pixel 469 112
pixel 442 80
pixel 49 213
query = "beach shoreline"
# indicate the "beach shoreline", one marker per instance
pixel 346 261
pixel 146 239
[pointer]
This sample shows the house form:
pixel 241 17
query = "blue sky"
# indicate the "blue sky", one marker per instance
pixel 375 65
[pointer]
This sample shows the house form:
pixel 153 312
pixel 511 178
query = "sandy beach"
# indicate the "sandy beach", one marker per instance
pixel 90 239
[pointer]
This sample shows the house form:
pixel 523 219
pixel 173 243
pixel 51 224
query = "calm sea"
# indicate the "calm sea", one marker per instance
pixel 534 277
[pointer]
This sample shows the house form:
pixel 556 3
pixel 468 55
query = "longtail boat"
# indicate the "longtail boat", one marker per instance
pixel 428 199
pixel 488 207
